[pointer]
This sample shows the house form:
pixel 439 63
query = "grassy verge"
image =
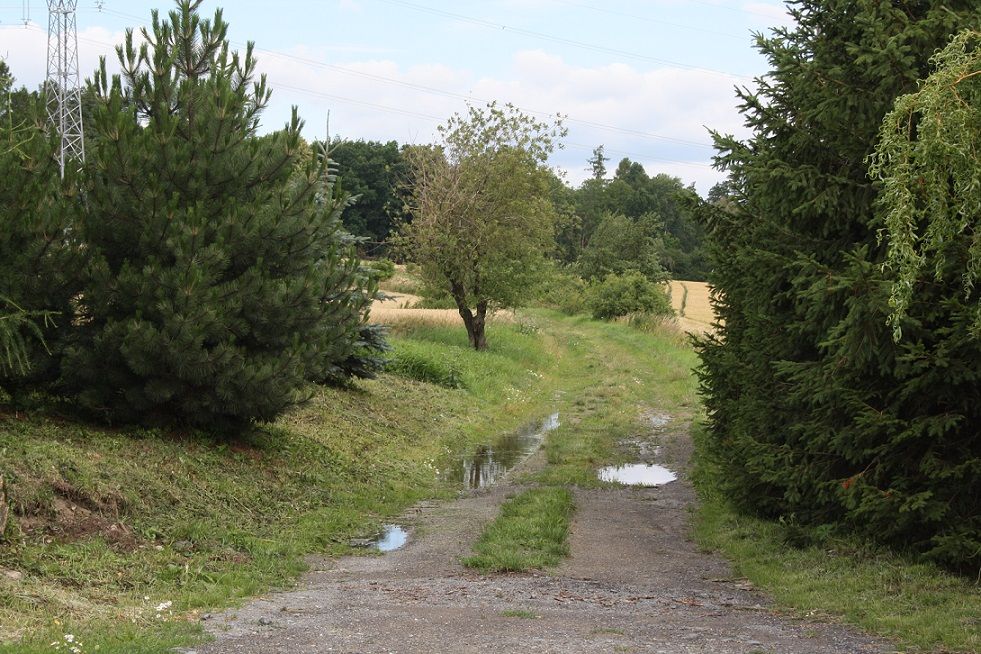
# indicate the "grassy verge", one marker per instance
pixel 530 532
pixel 921 607
pixel 122 538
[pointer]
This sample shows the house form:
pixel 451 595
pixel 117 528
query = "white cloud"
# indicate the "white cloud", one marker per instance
pixel 380 99
pixel 25 51
pixel 675 103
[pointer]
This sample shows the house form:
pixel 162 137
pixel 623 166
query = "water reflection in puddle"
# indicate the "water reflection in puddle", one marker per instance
pixel 392 538
pixel 637 474
pixel 492 461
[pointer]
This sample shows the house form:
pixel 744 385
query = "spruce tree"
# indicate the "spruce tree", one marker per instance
pixel 220 280
pixel 816 414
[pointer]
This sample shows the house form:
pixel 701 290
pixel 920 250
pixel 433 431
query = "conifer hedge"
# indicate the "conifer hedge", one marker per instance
pixel 815 412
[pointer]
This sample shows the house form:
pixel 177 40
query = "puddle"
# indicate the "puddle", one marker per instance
pixel 492 461
pixel 637 474
pixel 658 420
pixel 392 538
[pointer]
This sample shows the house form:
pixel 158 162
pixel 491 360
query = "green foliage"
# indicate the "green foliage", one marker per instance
pixel 371 172
pixel 814 411
pixel 661 204
pixel 482 219
pixel 531 532
pixel 619 245
pixel 220 280
pixel 927 159
pixel 816 569
pixel 17 328
pixel 380 269
pixel 40 254
pixel 631 292
pixel 561 288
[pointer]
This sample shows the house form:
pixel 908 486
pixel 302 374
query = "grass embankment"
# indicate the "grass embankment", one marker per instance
pixel 920 606
pixel 123 537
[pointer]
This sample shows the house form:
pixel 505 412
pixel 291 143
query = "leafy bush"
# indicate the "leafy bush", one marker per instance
pixel 562 289
pixel 621 244
pixel 379 269
pixel 632 292
pixel 422 362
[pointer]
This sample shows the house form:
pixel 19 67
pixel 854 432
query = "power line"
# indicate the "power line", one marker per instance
pixel 407 112
pixel 648 19
pixel 453 94
pixel 556 39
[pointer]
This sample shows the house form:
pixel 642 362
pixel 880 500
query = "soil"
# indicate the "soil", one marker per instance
pixel 635 582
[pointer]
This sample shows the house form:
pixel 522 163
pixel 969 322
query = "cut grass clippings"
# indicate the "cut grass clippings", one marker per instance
pixel 530 533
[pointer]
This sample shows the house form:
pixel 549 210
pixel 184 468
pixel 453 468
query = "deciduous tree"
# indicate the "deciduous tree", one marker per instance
pixel 482 219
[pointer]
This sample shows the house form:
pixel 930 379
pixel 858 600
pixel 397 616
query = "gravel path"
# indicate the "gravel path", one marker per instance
pixel 634 583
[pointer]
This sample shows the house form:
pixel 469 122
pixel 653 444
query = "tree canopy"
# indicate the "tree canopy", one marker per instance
pixel 482 217
pixel 219 280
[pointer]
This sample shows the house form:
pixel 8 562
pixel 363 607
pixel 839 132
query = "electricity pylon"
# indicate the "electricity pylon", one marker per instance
pixel 63 88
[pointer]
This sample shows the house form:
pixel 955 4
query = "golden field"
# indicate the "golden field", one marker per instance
pixel 690 301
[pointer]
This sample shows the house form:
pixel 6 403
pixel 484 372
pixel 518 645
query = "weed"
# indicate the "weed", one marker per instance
pixel 520 613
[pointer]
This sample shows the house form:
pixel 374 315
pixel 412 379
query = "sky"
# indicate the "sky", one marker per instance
pixel 646 79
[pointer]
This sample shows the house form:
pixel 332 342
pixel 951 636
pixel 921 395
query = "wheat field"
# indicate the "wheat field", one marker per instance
pixel 690 301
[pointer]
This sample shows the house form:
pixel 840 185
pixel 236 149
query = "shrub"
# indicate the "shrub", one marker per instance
pixel 379 269
pixel 620 295
pixel 562 289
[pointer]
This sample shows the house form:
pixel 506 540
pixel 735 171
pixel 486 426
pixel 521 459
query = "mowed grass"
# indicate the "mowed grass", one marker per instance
pixel 920 606
pixel 530 532
pixel 112 524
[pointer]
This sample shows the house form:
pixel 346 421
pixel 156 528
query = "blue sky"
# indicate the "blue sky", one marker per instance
pixel 643 77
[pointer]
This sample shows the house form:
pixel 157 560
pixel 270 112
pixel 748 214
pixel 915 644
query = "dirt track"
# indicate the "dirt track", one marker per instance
pixel 634 583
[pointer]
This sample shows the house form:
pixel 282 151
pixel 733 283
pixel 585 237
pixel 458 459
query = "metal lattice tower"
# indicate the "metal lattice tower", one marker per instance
pixel 63 87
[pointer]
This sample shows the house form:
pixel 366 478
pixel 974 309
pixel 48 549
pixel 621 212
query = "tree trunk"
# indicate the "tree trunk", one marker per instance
pixel 474 322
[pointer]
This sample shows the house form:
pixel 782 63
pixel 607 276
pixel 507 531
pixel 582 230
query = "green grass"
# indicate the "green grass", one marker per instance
pixel 519 613
pixel 920 606
pixel 530 532
pixel 204 523
pixel 112 522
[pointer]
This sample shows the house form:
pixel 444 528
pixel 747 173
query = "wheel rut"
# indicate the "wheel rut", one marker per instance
pixel 635 582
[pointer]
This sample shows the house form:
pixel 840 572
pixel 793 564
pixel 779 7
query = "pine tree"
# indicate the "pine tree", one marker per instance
pixel 220 279
pixel 815 412
pixel 39 254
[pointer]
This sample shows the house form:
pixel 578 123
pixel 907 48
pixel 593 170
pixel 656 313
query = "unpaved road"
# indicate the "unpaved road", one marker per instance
pixel 634 583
